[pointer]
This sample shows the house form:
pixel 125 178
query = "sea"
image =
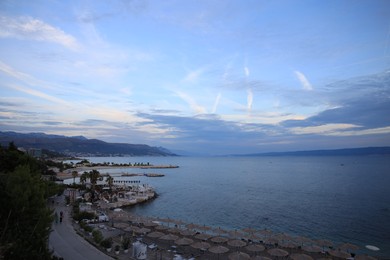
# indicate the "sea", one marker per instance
pixel 341 198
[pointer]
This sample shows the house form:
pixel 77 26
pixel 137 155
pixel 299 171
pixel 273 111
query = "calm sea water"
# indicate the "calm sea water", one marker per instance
pixel 344 199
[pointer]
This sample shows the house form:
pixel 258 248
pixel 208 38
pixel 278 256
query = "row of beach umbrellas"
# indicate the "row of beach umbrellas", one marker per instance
pixel 233 238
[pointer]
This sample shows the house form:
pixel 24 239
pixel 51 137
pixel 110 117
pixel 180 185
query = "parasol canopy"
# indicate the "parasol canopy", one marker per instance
pixel 277 252
pixel 201 245
pixel 236 243
pixel 255 248
pixel 169 237
pixel 218 249
pixel 155 234
pixel 301 257
pixel 219 239
pixel 184 241
pixel 238 256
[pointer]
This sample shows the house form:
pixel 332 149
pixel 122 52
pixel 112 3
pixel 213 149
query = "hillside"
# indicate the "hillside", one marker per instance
pixel 79 145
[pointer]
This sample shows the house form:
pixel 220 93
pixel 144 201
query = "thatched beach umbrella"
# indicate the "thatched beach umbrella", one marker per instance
pixel 301 257
pixel 201 245
pixel 270 241
pixel 184 241
pixel 339 254
pixel 169 237
pixel 150 224
pixel 219 231
pixel 202 236
pixel 142 230
pixel 121 225
pixel 236 243
pixel 203 227
pixel 255 248
pixel 155 234
pixel 219 239
pixel 239 256
pixel 218 250
pixel 236 234
pixel 312 249
pixel 191 226
pixel 161 228
pixel 288 244
pixel 259 257
pixel 249 230
pixel 187 232
pixel 277 252
pixel 324 243
pixel 349 247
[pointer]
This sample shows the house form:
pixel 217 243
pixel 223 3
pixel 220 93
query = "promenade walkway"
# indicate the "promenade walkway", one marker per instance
pixel 65 242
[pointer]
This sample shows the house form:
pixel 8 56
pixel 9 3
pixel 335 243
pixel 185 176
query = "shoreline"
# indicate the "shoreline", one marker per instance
pixel 250 242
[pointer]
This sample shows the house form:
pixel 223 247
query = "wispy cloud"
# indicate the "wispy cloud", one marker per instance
pixel 216 103
pixel 29 28
pixel 303 80
pixel 191 102
pixel 39 94
pixel 249 99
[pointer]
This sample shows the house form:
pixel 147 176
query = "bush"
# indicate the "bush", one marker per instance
pixel 88 228
pixel 83 215
pixel 125 242
pixel 97 236
pixel 106 243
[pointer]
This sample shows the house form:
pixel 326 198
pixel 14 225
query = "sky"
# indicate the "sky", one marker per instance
pixel 207 77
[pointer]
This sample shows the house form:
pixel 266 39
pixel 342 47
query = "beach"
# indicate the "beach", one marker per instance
pixel 175 239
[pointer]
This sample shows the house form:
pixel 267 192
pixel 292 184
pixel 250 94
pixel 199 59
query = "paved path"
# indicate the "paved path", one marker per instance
pixel 65 242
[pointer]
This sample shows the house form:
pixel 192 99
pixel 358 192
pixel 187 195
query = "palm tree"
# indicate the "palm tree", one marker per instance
pixel 84 177
pixel 74 175
pixel 94 176
pixel 110 181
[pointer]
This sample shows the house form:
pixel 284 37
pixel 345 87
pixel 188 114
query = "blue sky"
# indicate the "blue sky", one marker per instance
pixel 211 77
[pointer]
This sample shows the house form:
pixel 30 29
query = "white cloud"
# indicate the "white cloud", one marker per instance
pixel 327 129
pixel 28 28
pixel 249 99
pixel 39 94
pixel 304 81
pixel 247 72
pixel 216 103
pixel 192 103
pixel 193 75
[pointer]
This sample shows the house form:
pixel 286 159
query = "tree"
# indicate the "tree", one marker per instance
pixel 110 181
pixel 84 177
pixel 25 219
pixel 94 176
pixel 74 175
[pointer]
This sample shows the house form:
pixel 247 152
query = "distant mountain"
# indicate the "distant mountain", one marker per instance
pixel 79 145
pixel 336 152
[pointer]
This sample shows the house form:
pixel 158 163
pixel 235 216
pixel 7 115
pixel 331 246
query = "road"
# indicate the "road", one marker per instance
pixel 65 242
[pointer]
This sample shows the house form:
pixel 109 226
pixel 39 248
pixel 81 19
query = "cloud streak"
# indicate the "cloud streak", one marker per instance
pixel 29 28
pixel 303 80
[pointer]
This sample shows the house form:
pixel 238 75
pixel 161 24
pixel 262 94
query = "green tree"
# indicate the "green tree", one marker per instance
pixel 84 177
pixel 74 175
pixel 110 181
pixel 25 219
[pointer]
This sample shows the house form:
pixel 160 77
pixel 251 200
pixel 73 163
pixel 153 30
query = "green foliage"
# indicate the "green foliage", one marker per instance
pixel 97 236
pixel 106 243
pixel 83 215
pixel 25 219
pixel 125 242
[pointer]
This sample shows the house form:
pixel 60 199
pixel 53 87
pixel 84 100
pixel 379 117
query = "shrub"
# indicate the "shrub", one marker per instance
pixel 125 242
pixel 97 236
pixel 106 243
pixel 83 215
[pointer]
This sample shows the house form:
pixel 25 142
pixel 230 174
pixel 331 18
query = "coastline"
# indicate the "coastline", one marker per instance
pixel 184 238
